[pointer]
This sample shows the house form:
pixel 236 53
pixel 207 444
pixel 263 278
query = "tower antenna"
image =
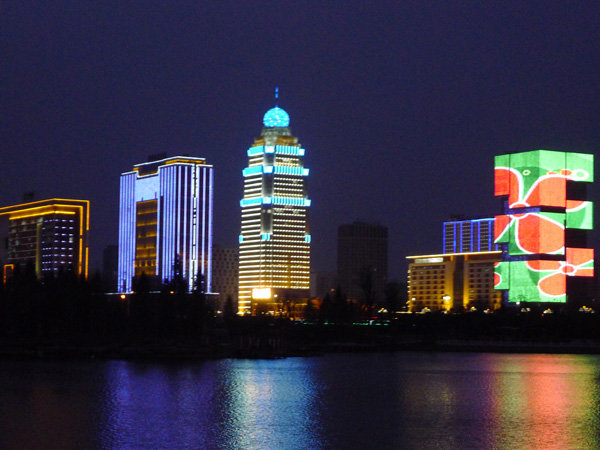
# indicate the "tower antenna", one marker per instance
pixel 276 94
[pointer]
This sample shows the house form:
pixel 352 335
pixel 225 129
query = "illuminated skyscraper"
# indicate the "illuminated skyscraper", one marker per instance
pixel 274 241
pixel 52 235
pixel 544 224
pixel 165 221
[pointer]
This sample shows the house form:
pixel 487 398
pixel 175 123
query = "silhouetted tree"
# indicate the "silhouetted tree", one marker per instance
pixel 366 283
pixel 341 309
pixel 311 312
pixel 392 296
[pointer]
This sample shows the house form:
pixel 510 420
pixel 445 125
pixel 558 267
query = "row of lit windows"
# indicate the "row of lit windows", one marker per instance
pixel 290 220
pixel 288 183
pixel 290 238
pixel 246 280
pixel 300 246
pixel 286 160
pixel 145 263
pixel 291 210
pixel 253 270
pixel 269 259
pixel 294 193
pixel 272 256
pixel 275 268
pixel 247 272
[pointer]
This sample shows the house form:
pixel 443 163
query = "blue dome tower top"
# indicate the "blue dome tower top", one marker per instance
pixel 276 117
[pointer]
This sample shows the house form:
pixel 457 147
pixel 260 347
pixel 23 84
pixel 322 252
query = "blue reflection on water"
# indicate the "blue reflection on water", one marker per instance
pixel 225 404
pixel 382 401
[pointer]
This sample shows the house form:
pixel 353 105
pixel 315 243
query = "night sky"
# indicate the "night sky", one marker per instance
pixel 401 106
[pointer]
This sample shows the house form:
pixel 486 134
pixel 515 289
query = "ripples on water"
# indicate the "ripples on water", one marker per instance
pixel 372 401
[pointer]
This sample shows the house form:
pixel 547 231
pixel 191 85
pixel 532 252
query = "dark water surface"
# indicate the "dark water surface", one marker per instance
pixel 351 401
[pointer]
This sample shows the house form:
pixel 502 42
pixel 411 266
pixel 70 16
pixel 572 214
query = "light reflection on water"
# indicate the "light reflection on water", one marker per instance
pixel 366 401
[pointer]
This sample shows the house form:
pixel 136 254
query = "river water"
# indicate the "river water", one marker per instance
pixel 405 400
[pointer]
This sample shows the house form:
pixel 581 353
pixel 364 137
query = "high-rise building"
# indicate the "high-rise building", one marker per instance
pixel 543 229
pixel 362 261
pixel 51 235
pixel 467 236
pixel 274 241
pixel 165 222
pixel 453 282
pixel 225 267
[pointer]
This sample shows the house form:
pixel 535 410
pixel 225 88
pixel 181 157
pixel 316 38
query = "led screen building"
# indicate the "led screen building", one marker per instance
pixel 274 262
pixel 165 222
pixel 52 235
pixel 543 229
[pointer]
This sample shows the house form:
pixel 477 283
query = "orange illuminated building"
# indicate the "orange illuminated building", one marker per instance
pixel 51 235
pixel 453 282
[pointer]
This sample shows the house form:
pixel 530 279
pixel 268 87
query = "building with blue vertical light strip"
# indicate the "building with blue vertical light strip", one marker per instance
pixel 468 236
pixel 165 222
pixel 274 257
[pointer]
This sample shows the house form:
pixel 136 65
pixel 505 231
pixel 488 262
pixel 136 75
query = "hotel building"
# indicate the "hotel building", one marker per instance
pixel 274 243
pixel 165 222
pixel 453 282
pixel 52 235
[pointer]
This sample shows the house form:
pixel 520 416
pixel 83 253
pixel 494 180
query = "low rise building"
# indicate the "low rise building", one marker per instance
pixel 50 235
pixel 453 282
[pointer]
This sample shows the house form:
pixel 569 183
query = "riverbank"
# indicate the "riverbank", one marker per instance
pixel 152 350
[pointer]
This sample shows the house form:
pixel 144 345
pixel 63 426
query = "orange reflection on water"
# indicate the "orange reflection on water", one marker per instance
pixel 545 402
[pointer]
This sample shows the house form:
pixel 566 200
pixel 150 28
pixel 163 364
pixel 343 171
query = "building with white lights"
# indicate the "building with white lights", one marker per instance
pixel 165 222
pixel 51 235
pixel 274 264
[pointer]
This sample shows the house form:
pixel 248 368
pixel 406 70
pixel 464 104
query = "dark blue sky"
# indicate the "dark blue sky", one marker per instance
pixel 401 106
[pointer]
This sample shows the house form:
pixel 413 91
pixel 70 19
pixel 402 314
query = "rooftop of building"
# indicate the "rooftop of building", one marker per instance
pixel 151 167
pixel 276 117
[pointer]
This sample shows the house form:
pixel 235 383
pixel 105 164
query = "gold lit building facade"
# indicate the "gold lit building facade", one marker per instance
pixel 274 243
pixel 453 282
pixel 51 235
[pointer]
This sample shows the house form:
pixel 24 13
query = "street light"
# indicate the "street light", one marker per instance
pixel 446 299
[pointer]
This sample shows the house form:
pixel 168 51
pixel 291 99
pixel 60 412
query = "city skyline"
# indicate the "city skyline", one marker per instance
pixel 402 125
